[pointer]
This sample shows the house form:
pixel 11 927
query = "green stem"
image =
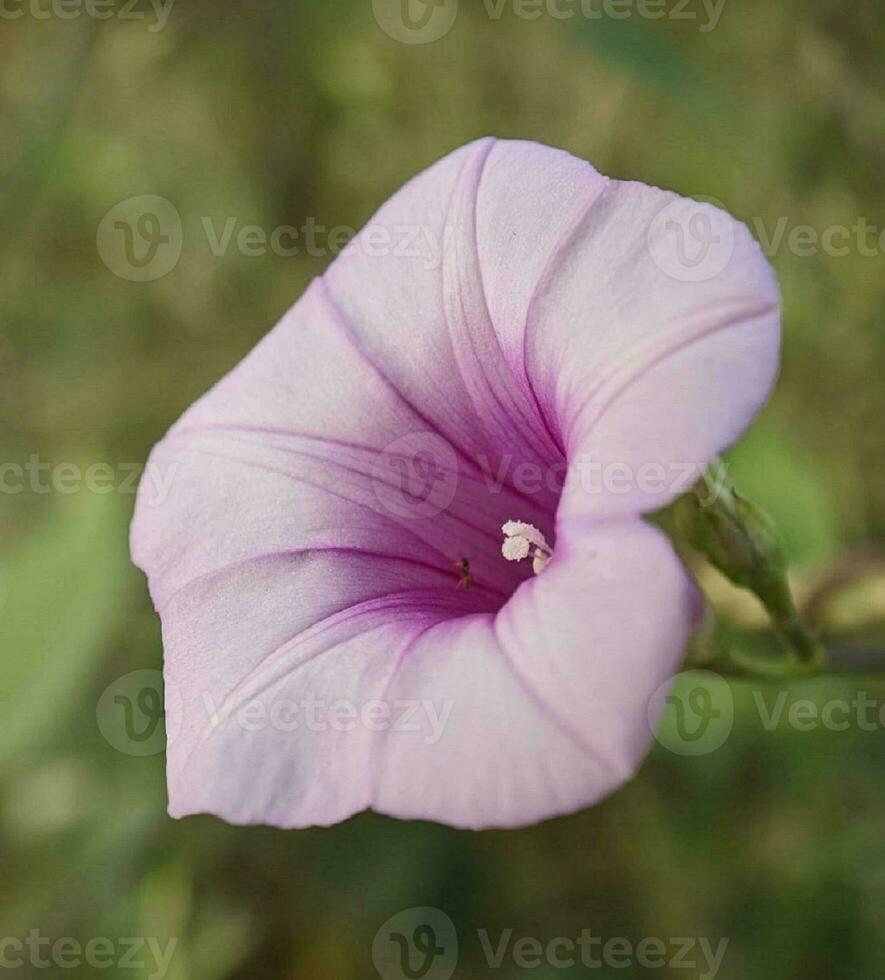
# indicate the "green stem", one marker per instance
pixel 765 655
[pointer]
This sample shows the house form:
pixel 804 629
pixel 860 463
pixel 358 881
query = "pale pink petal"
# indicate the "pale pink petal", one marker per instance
pixel 524 310
pixel 490 721
pixel 549 699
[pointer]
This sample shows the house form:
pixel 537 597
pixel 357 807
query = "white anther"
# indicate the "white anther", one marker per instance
pixel 515 548
pixel 521 539
pixel 539 563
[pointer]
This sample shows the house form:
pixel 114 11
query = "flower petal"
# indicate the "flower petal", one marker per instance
pixel 294 450
pixel 650 374
pixel 488 721
pixel 549 700
pixel 519 309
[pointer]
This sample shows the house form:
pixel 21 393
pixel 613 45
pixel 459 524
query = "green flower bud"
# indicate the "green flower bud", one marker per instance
pixel 741 540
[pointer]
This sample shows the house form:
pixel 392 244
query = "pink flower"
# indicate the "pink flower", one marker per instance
pixel 513 340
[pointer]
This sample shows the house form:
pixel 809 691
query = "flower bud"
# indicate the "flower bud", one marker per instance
pixel 741 540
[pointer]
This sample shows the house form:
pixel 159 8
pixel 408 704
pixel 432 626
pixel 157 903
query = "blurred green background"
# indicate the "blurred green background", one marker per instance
pixel 275 113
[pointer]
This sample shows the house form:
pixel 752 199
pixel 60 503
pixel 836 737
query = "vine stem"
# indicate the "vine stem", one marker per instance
pixel 761 655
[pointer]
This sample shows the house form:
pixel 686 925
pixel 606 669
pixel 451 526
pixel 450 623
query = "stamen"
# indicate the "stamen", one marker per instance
pixel 520 540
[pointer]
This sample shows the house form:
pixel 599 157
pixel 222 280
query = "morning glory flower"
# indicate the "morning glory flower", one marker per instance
pixel 403 563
